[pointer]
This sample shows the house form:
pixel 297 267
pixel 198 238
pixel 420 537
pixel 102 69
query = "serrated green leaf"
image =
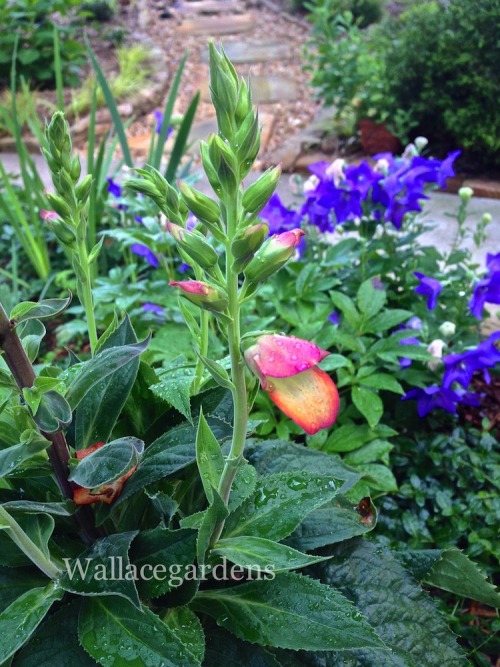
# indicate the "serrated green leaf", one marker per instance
pixel 109 463
pixel 65 508
pixel 55 642
pixel 103 364
pixel 402 615
pixel 335 522
pixel 161 548
pixel 102 569
pixel 116 633
pixel 218 373
pixel 38 310
pixel 243 486
pixel 225 649
pixel 370 301
pixel 212 518
pixel 21 617
pixel 187 627
pixel 279 503
pixel 174 387
pixel 208 457
pixel 257 553
pixel 369 404
pixel 265 611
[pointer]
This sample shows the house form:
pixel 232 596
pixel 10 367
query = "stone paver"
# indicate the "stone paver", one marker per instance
pixel 217 25
pixel 265 89
pixel 213 7
pixel 250 52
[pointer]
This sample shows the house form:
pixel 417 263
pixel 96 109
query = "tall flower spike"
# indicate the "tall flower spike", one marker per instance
pixel 287 369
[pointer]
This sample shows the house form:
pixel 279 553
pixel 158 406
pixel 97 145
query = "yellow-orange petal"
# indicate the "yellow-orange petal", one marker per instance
pixel 310 398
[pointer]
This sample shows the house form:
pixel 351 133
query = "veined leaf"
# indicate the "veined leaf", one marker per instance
pixel 208 457
pixel 38 310
pixel 109 463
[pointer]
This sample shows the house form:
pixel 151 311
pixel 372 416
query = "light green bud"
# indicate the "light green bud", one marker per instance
pixel 258 194
pixel 82 189
pixel 59 205
pixel 199 204
pixel 194 245
pixel 465 194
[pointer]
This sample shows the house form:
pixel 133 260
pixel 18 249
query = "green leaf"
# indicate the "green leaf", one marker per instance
pixel 31 333
pixel 13 457
pixel 279 504
pixel 451 570
pixel 103 364
pixel 115 633
pixel 187 627
pixel 20 619
pixel 385 320
pixel 14 582
pixel 243 485
pixel 39 528
pixel 65 508
pixel 109 463
pixel 224 649
pixel 402 615
pixel 348 437
pixel 214 515
pixel 174 387
pixel 161 548
pixel 265 612
pixel 102 569
pixel 99 410
pixel 349 310
pixel 373 451
pixel 382 381
pixel 257 553
pixel 38 310
pixel 335 522
pixel 55 642
pixel 369 404
pixel 54 412
pixel 270 456
pixel 379 477
pixel 208 457
pixel 370 301
pixel 218 373
pixel 334 361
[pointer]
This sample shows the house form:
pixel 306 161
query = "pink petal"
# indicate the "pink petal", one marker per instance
pixel 279 356
pixel 310 399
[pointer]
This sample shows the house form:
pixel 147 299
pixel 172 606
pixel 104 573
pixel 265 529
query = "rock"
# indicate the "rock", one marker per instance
pixel 248 52
pixel 219 25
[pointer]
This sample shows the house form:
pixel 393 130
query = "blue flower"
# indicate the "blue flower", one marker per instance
pixel 184 267
pixel 147 253
pixel 334 317
pixel 487 290
pixel 433 397
pixel 461 367
pixel 114 188
pixel 153 308
pixel 429 287
pixel 159 122
pixel 278 216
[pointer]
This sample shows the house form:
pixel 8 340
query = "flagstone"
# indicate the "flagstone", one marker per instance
pixel 250 52
pixel 217 25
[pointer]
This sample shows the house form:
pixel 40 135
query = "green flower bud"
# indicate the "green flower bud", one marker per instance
pixel 194 245
pixel 202 295
pixel 63 231
pixel 199 204
pixel 58 134
pixel 486 219
pixel 246 243
pixel 244 105
pixel 227 165
pixel 76 169
pixel 258 194
pixel 272 255
pixel 59 205
pixel 465 194
pixel 82 189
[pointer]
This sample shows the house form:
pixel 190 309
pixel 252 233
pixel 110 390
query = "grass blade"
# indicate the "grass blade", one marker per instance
pixel 181 139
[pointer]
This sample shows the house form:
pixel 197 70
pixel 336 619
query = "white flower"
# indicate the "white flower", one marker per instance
pixel 436 350
pixel 311 184
pixel 421 143
pixel 448 329
pixel 335 171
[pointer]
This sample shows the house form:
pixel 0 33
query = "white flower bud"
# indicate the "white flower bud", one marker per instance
pixel 382 166
pixel 447 329
pixel 465 194
pixel 436 350
pixel 335 171
pixel 311 184
pixel 421 143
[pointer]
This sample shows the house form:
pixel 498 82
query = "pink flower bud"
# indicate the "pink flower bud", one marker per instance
pixel 202 295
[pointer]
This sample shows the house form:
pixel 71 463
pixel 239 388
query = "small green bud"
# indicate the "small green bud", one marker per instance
pixel 59 205
pixel 58 133
pixel 465 194
pixel 76 168
pixel 486 219
pixel 244 105
pixel 63 183
pixel 258 194
pixel 194 245
pixel 201 206
pixel 246 243
pixel 63 231
pixel 272 255
pixel 209 168
pixel 82 189
pixel 227 165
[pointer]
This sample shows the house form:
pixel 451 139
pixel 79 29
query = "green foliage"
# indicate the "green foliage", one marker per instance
pixel 31 25
pixel 99 10
pixel 364 12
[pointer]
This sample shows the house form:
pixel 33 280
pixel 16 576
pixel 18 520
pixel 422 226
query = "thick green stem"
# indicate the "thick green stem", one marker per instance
pixel 27 546
pixel 86 292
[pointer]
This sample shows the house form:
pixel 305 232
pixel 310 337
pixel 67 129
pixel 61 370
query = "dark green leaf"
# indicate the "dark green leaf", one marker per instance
pixel 174 387
pixel 383 381
pixel 102 569
pixel 370 300
pixel 14 582
pixel 279 503
pixel 54 412
pixel 187 627
pixel 369 404
pixel 387 319
pixel 115 633
pixel 108 463
pixel 55 642
pixel 103 364
pixel 225 650
pixel 161 548
pixel 214 515
pixel 12 457
pixel 21 617
pixel 290 611
pixel 349 310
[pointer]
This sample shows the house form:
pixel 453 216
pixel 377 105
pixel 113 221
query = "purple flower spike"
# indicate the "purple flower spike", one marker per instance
pixel 429 287
pixel 147 253
pixel 114 188
pixel 487 290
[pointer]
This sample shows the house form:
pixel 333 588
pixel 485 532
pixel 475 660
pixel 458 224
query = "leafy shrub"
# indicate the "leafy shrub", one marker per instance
pixel 364 12
pixel 30 23
pixel 99 10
